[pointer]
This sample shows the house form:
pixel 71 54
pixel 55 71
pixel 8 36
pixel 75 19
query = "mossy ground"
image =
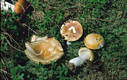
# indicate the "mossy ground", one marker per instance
pixel 105 17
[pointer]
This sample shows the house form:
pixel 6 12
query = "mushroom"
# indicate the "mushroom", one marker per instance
pixel 94 41
pixel 18 8
pixel 71 30
pixel 84 54
pixel 43 50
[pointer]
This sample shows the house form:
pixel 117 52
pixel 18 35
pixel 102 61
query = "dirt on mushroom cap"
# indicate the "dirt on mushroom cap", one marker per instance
pixel 69 35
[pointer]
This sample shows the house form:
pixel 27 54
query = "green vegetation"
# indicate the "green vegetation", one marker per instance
pixel 106 17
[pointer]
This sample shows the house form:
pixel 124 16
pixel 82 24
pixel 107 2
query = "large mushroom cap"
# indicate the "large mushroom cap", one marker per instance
pixel 94 41
pixel 87 53
pixel 71 30
pixel 43 50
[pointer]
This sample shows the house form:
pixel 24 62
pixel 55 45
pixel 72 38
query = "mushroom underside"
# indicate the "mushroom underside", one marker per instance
pixel 43 61
pixel 43 49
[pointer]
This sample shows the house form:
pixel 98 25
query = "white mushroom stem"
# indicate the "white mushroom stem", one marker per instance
pixel 6 6
pixel 78 61
pixel 73 29
pixel 68 43
pixel 28 46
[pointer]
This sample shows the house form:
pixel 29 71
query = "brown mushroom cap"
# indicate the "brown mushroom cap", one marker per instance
pixel 68 33
pixel 20 6
pixel 23 2
pixel 94 41
pixel 51 50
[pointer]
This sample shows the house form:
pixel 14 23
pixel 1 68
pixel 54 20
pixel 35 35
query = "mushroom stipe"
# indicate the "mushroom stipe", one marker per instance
pixel 84 54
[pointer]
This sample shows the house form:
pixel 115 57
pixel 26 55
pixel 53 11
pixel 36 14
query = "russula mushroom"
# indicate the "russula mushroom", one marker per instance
pixel 71 30
pixel 94 41
pixel 18 8
pixel 43 50
pixel 84 54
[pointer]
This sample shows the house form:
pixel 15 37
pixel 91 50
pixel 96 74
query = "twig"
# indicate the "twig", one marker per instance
pixel 30 28
pixel 4 77
pixel 11 38
pixel 1 70
pixel 13 46
pixel 2 62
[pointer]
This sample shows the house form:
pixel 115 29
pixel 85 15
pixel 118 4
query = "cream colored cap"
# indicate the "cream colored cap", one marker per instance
pixel 43 50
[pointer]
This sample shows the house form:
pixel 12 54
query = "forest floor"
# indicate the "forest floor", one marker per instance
pixel 105 17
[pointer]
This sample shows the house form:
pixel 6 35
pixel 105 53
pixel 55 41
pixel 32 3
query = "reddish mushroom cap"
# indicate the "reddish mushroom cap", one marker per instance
pixel 71 30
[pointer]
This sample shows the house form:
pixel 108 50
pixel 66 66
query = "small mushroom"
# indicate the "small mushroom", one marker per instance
pixel 94 41
pixel 18 8
pixel 84 54
pixel 43 50
pixel 71 30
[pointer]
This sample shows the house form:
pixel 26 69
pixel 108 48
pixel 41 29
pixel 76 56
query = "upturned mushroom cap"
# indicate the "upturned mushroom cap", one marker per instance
pixel 87 53
pixel 43 50
pixel 94 41
pixel 71 30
